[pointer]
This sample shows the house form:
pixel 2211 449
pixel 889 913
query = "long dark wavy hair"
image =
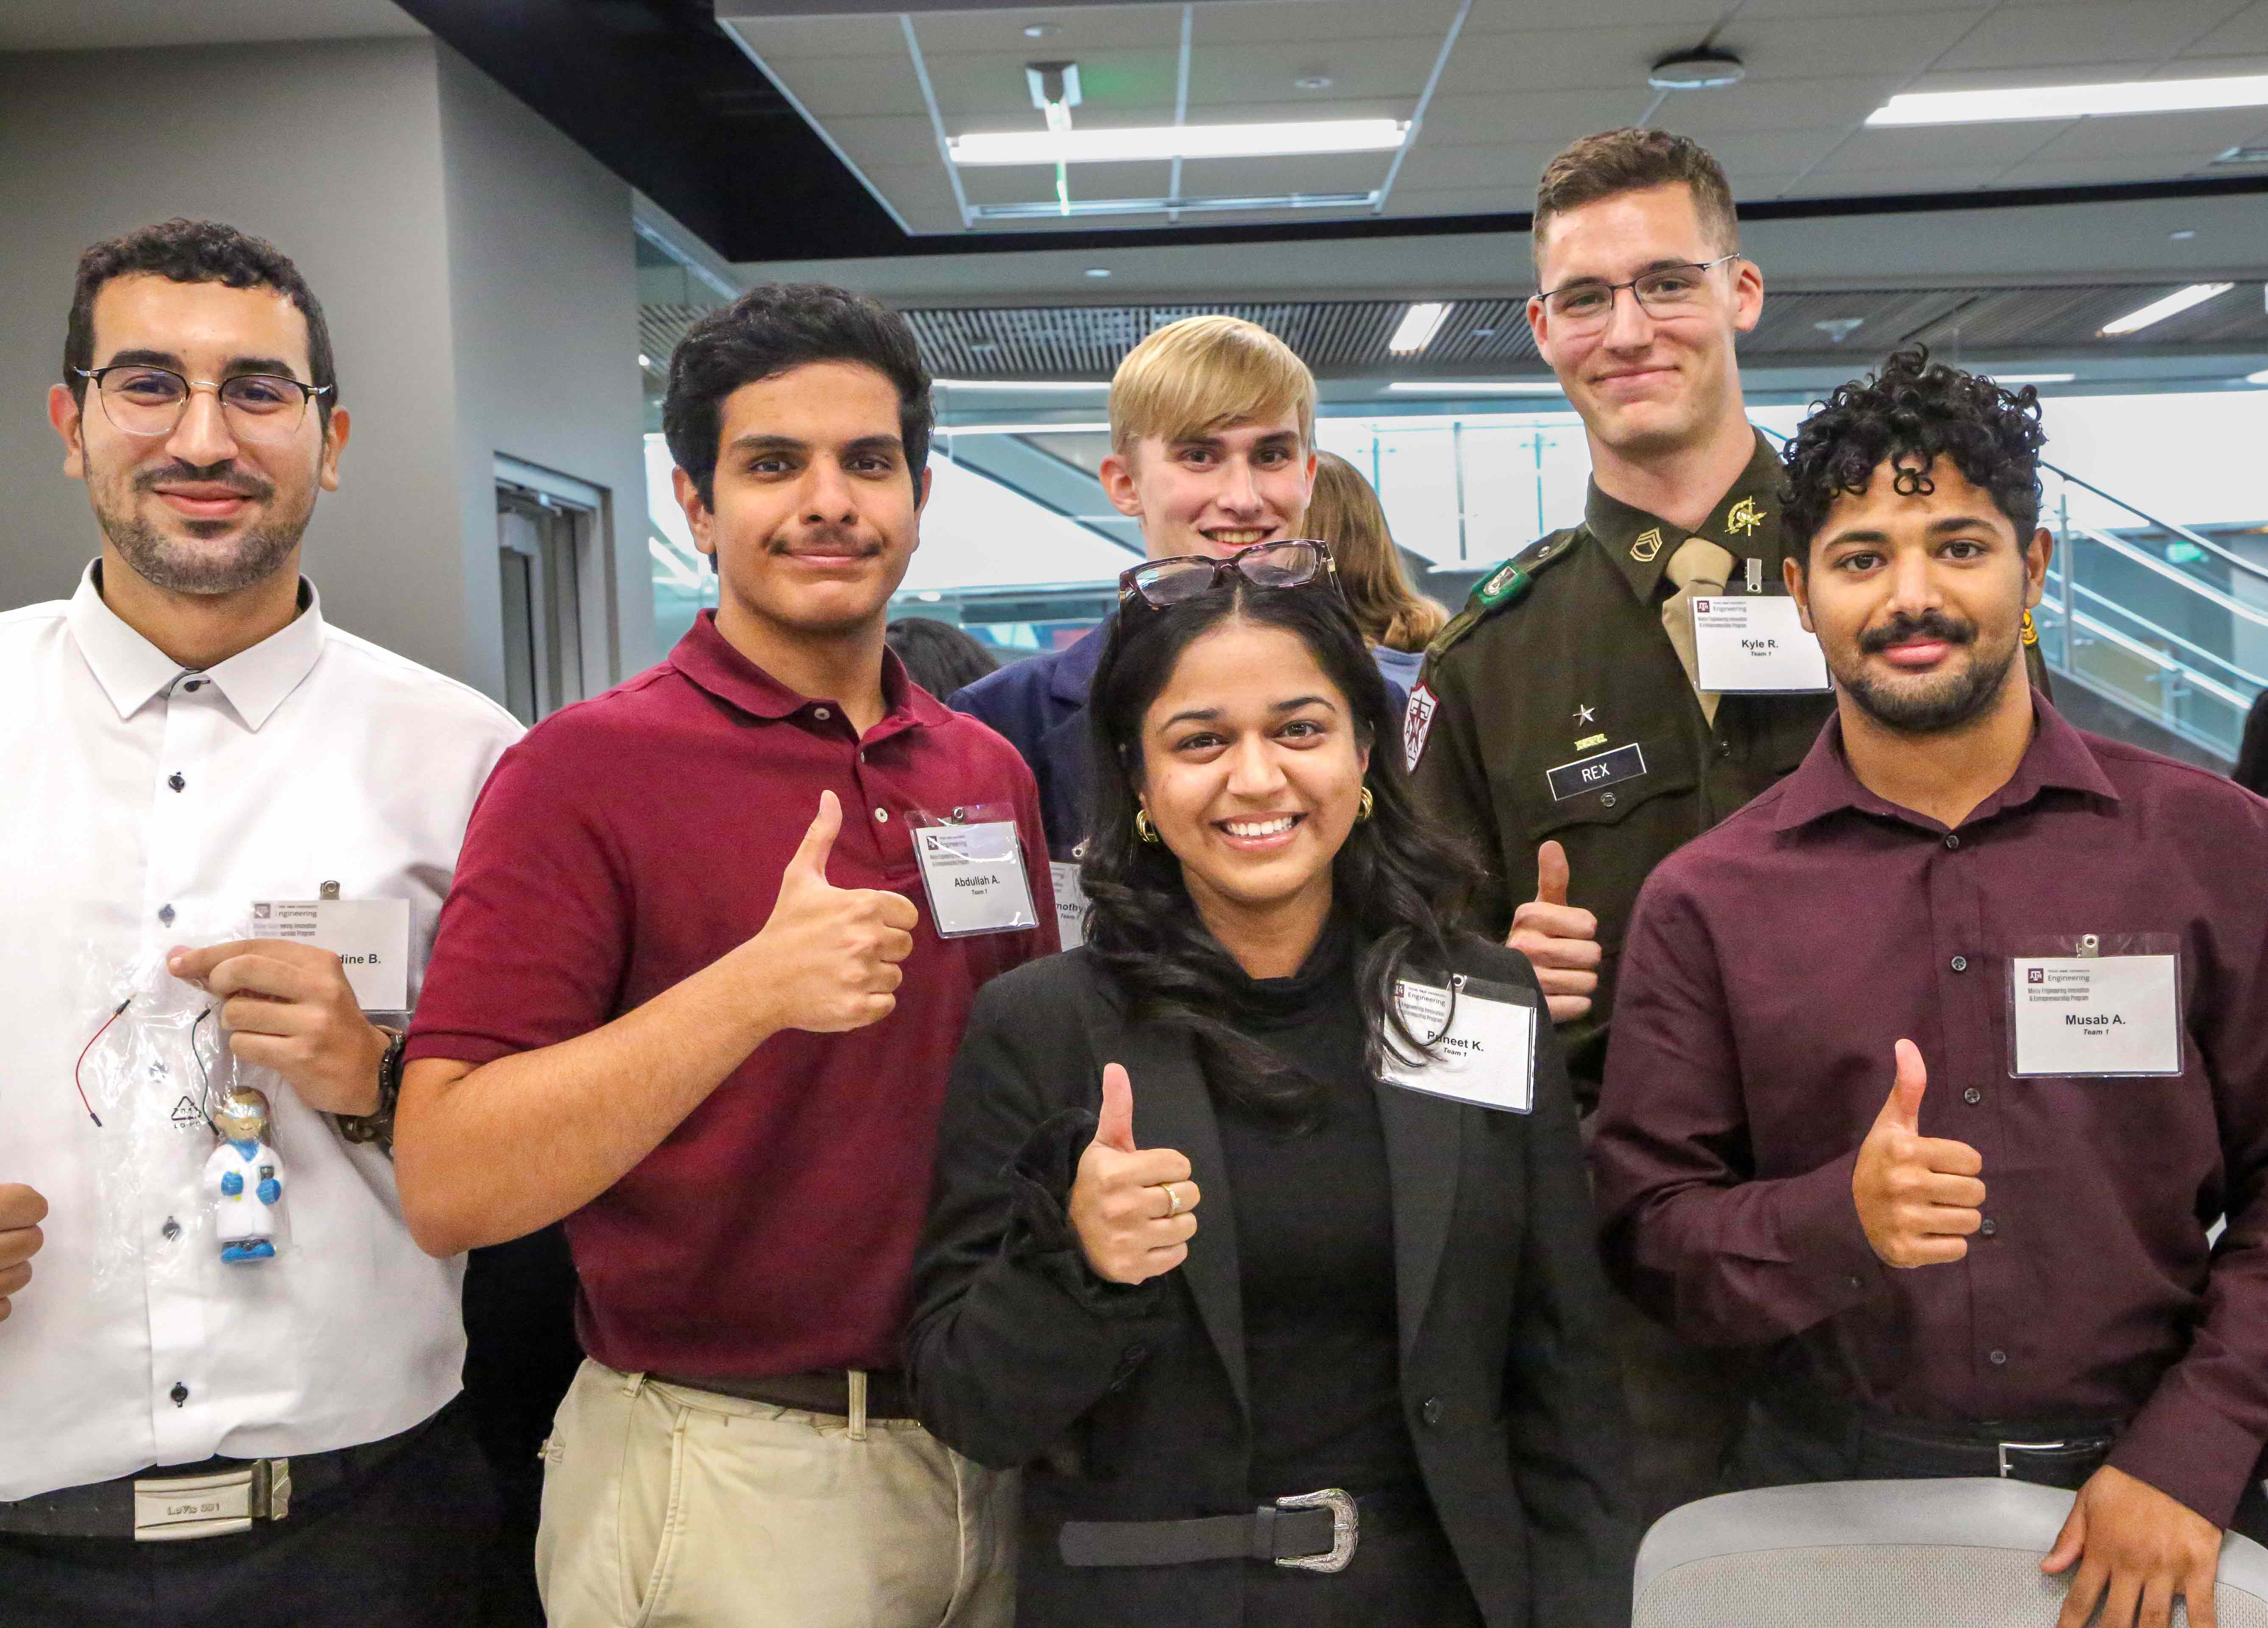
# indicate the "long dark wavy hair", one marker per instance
pixel 1399 880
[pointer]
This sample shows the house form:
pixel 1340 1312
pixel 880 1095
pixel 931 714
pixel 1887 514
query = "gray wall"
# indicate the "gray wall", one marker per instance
pixel 458 244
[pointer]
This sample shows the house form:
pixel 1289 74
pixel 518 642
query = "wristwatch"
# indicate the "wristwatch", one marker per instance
pixel 378 1126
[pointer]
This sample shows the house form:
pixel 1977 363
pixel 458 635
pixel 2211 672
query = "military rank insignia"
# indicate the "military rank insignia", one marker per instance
pixel 1647 544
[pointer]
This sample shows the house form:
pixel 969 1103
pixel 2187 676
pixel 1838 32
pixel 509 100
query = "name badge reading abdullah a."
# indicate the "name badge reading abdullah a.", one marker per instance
pixel 1595 773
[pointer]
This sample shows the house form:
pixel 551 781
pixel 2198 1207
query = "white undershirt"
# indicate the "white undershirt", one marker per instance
pixel 312 757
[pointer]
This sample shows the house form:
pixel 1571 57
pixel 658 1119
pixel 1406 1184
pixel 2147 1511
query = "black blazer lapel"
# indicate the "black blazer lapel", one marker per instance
pixel 1423 1138
pixel 1172 1110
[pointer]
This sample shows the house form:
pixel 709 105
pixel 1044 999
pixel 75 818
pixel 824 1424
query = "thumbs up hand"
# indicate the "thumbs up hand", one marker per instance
pixel 831 955
pixel 1131 1209
pixel 1919 1196
pixel 1560 941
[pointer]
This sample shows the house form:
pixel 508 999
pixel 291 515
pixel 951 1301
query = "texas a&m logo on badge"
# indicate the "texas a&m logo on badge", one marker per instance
pixel 1416 723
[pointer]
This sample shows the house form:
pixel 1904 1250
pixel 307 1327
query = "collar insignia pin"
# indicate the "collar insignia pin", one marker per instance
pixel 1743 517
pixel 1648 545
pixel 1584 715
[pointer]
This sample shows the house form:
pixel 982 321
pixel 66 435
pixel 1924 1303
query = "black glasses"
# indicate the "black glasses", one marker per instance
pixel 1299 563
pixel 1664 291
pixel 146 400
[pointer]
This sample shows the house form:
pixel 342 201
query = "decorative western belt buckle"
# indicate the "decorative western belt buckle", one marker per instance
pixel 213 1506
pixel 2007 1448
pixel 1346 1529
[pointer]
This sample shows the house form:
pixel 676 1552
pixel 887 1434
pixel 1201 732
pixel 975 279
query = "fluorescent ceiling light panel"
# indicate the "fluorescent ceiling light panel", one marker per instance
pixel 1182 141
pixel 2071 101
pixel 2033 378
pixel 2172 305
pixel 2260 378
pixel 1419 324
pixel 1491 387
pixel 1028 384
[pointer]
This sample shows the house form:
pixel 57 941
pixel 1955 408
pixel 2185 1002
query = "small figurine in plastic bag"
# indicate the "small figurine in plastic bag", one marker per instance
pixel 245 1178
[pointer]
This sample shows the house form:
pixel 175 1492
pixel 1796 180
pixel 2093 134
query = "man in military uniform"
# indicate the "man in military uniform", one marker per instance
pixel 1559 723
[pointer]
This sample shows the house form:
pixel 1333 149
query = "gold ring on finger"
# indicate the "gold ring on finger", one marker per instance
pixel 1173 1199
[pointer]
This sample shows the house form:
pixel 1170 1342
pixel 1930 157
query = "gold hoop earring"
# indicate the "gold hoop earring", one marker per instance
pixel 1142 826
pixel 1362 810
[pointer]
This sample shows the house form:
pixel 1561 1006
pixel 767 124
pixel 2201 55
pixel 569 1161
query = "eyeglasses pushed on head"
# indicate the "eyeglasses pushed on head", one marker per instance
pixel 1300 563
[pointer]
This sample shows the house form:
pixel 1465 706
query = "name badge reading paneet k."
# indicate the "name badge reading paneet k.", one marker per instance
pixel 1483 1040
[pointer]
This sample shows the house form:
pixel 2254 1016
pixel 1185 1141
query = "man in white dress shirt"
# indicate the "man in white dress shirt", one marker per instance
pixel 186 738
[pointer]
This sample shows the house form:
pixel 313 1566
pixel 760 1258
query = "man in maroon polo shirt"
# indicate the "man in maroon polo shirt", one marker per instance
pixel 1949 1125
pixel 712 941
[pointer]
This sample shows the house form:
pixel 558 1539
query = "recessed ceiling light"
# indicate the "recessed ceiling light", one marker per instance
pixel 1040 31
pixel 1839 328
pixel 1098 271
pixel 644 360
pixel 1418 328
pixel 1312 81
pixel 1178 140
pixel 2159 310
pixel 2033 378
pixel 2241 155
pixel 1475 387
pixel 1696 70
pixel 2071 101
pixel 2184 235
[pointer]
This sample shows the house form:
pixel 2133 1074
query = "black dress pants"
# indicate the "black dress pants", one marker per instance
pixel 399 1548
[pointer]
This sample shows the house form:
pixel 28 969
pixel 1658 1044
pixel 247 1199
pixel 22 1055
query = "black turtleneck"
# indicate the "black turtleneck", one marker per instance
pixel 1315 1230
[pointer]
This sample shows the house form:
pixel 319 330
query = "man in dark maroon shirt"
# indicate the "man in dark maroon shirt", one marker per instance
pixel 710 948
pixel 1933 1067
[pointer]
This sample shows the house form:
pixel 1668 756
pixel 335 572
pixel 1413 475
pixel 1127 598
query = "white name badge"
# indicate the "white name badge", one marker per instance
pixel 1754 643
pixel 1487 1056
pixel 2095 1014
pixel 975 874
pixel 370 937
pixel 1070 904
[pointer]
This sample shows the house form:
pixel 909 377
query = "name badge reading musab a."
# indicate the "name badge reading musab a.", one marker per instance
pixel 1595 773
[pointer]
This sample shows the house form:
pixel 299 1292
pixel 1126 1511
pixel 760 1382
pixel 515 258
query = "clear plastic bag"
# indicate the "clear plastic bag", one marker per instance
pixel 185 1168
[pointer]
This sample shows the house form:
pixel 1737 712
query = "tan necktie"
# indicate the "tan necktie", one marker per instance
pixel 1699 569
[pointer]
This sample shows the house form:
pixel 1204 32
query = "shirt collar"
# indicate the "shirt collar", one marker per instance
pixel 707 656
pixel 1745 521
pixel 131 669
pixel 2058 758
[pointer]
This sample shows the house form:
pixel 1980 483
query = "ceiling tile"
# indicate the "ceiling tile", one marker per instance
pixel 1462 201
pixel 2105 170
pixel 1077 29
pixel 1245 177
pixel 2246 32
pixel 1777 10
pixel 1127 85
pixel 1824 183
pixel 1769 153
pixel 883 84
pixel 1371 68
pixel 2201 134
pixel 886 140
pixel 2119 34
pixel 919 192
pixel 1555 116
pixel 1285 28
pixel 1776 104
pixel 1499 17
pixel 781 38
pixel 1826 47
pixel 1034 183
pixel 1482 164
pixel 1947 147
pixel 1558 59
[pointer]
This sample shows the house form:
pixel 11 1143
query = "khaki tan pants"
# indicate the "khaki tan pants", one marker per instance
pixel 665 1505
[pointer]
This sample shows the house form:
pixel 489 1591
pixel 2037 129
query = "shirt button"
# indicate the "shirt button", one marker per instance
pixel 821 714
pixel 166 914
pixel 1961 963
pixel 883 814
pixel 1724 748
pixel 175 781
pixel 1972 1096
pixel 1432 1411
pixel 1989 1227
pixel 180 1393
pixel 1951 840
pixel 1606 799
pixel 171 1229
pixel 1999 1359
pixel 195 684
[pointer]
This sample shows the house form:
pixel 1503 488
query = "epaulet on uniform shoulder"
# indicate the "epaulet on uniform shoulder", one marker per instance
pixel 1506 584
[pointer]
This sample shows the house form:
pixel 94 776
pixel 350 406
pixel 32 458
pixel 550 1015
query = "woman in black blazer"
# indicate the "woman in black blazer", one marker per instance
pixel 1274 1340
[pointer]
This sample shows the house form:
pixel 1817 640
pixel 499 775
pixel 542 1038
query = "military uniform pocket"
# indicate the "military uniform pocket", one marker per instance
pixel 1606 787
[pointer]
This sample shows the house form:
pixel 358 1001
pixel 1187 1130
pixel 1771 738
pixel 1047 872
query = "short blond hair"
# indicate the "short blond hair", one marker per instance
pixel 1207 373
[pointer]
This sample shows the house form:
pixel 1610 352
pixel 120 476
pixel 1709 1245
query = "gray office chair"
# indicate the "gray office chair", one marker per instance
pixel 1884 1554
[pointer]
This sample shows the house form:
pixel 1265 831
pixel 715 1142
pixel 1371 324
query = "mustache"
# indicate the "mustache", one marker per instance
pixel 242 483
pixel 1930 624
pixel 833 538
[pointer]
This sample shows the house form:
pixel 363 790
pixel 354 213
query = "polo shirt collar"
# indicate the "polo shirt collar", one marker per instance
pixel 131 670
pixel 1745 522
pixel 707 656
pixel 2057 759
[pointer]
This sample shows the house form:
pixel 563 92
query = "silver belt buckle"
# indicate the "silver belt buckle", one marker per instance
pixel 1346 1529
pixel 213 1506
pixel 2007 1448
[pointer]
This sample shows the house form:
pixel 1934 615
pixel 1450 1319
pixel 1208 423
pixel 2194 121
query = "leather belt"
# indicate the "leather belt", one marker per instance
pixel 818 1390
pixel 2059 1452
pixel 214 1499
pixel 1308 1532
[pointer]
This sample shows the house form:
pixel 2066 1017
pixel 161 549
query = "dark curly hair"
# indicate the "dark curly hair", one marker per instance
pixel 195 251
pixel 1398 879
pixel 1910 413
pixel 769 331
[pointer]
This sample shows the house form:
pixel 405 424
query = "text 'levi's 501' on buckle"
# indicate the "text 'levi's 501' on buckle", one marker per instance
pixel 1346 1529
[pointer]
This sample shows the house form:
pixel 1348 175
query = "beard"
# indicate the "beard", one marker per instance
pixel 1936 704
pixel 170 563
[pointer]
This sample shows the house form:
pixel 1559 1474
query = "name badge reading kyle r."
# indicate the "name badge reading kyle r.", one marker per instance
pixel 1595 773
pixel 1486 1050
pixel 1753 644
pixel 370 937
pixel 2095 1014
pixel 975 874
